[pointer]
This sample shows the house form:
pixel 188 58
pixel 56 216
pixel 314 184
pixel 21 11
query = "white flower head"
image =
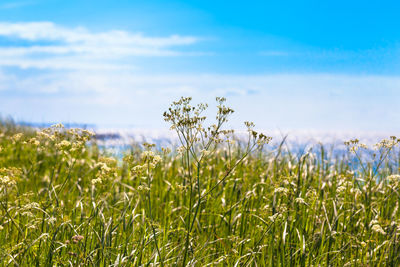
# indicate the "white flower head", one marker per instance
pixel 281 190
pixel 378 229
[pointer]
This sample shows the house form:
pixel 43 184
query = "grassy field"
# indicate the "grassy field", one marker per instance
pixel 214 200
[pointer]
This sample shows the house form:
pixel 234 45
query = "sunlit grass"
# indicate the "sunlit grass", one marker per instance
pixel 214 200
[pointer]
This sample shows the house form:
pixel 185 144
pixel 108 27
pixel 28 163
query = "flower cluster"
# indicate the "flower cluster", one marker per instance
pixel 374 224
pixel 9 177
pixel 148 160
pixel 354 145
pixel 387 143
pixel 107 169
pixel 68 141
pixel 198 140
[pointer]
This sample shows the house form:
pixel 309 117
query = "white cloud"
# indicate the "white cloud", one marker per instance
pixel 48 31
pixel 54 46
pixel 310 101
pixel 15 4
pixel 75 75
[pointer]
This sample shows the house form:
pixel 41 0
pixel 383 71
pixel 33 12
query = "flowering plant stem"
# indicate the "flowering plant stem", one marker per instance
pixel 151 214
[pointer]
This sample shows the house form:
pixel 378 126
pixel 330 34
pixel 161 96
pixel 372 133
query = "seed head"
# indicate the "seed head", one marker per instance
pixel 77 238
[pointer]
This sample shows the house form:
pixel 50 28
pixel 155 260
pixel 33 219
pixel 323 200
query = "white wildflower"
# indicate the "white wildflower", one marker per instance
pixel 180 150
pixel 281 190
pixel 17 137
pixel 96 181
pixel 275 217
pixel 341 189
pixel 157 159
pixel 300 200
pixel 205 153
pixel 393 178
pixel 378 229
pixel 5 182
pixel 147 155
pixel 64 145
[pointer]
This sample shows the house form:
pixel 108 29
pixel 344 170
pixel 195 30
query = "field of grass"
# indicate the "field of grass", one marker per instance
pixel 213 201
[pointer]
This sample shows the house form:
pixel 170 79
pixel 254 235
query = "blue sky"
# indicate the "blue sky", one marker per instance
pixel 285 65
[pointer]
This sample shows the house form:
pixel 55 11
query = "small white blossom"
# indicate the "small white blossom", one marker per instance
pixel 378 229
pixel 300 200
pixel 281 190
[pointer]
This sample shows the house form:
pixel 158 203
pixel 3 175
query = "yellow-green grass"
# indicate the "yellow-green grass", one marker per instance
pixel 211 201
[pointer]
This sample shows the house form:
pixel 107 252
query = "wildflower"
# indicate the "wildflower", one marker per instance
pixel 108 160
pixel 373 222
pixel 387 143
pixel 77 238
pixel 147 154
pixel 251 193
pixel 300 200
pixel 6 182
pixel 58 125
pixel 138 169
pixel 31 205
pixel 281 190
pixel 105 171
pixel 103 167
pixel 205 153
pixel 148 146
pixel 128 159
pixel 356 191
pixel 266 207
pixel 181 150
pixel 263 139
pixel 166 151
pixel 84 135
pixel 143 188
pixel 156 159
pixel 341 189
pixel 43 135
pixel 311 193
pixel 150 157
pixel 96 181
pixel 249 124
pixel 152 165
pixel 77 146
pixel 275 217
pixel 231 142
pixel 51 220
pixel 64 145
pixel 16 137
pixel 354 145
pixel 46 179
pixel 378 229
pixel 34 141
pixel 393 178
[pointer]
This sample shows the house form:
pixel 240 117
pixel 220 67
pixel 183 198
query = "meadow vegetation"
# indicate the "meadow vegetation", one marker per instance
pixel 215 200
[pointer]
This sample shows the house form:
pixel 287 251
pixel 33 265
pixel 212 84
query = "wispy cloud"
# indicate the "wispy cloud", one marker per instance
pixel 285 101
pixel 54 46
pixel 50 72
pixel 16 4
pixel 37 31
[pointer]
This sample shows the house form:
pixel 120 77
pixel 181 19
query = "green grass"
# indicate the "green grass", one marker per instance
pixel 215 202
